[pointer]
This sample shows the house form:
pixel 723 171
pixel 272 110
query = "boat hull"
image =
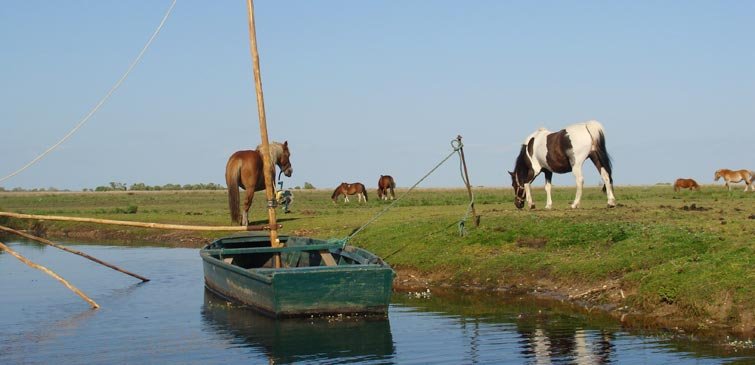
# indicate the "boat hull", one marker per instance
pixel 361 286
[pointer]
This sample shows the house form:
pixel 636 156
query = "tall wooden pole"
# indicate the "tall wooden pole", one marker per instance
pixel 268 165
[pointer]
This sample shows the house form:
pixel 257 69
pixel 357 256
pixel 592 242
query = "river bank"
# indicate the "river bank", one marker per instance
pixel 681 262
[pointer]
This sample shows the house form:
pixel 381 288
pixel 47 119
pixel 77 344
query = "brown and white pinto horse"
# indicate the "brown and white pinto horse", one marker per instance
pixel 245 169
pixel 386 185
pixel 686 184
pixel 346 189
pixel 735 177
pixel 561 152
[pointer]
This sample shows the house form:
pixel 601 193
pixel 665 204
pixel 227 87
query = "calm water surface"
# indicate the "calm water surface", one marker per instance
pixel 171 319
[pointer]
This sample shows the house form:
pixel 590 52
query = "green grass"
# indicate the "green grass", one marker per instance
pixel 699 259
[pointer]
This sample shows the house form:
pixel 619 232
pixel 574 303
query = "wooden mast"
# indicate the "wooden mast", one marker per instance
pixel 268 165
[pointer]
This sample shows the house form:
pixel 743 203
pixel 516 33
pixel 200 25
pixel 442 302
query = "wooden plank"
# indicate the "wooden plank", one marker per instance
pixel 327 258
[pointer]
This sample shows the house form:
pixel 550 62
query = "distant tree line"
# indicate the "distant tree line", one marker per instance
pixel 119 186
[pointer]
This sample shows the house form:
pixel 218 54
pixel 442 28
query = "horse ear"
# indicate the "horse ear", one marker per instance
pixel 285 143
pixel 511 173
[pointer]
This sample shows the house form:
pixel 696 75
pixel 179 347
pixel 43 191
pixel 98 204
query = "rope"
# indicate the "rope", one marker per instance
pixel 101 102
pixel 455 144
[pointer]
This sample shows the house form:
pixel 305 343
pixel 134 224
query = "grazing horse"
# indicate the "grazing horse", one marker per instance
pixel 686 184
pixel 245 169
pixel 735 177
pixel 346 189
pixel 561 152
pixel 385 185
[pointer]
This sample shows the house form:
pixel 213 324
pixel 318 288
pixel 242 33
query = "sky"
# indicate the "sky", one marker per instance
pixel 364 88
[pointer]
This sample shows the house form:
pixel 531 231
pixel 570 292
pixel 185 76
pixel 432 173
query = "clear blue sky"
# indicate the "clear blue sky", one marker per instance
pixel 363 88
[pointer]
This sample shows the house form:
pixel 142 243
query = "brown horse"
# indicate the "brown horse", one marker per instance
pixel 686 184
pixel 245 169
pixel 346 189
pixel 386 185
pixel 735 177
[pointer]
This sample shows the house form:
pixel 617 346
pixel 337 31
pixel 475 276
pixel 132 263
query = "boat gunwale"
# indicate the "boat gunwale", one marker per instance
pixel 253 250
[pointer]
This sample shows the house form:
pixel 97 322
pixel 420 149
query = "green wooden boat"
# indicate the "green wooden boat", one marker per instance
pixel 316 278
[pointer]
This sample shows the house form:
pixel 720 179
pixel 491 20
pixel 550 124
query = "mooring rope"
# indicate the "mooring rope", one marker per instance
pixel 455 144
pixel 101 102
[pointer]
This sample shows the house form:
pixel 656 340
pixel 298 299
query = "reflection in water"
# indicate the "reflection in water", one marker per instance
pixel 297 339
pixel 172 320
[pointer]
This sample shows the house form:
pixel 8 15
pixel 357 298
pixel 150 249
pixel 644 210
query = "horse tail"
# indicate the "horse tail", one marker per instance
pixel 232 172
pixel 599 143
pixel 364 191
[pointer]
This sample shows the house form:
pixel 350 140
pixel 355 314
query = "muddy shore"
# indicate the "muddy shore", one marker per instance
pixel 607 297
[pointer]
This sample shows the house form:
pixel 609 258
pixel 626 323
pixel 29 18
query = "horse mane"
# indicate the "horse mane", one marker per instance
pixel 276 149
pixel 522 162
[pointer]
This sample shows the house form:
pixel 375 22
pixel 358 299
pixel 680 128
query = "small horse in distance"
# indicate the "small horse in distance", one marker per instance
pixel 730 176
pixel 561 152
pixel 346 189
pixel 386 185
pixel 245 169
pixel 686 184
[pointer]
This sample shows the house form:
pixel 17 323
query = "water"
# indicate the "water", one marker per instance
pixel 171 319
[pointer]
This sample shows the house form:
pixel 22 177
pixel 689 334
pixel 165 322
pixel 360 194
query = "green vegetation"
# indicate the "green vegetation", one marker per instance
pixel 688 254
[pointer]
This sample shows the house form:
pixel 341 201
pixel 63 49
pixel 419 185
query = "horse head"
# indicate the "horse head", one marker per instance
pixel 522 174
pixel 338 191
pixel 717 176
pixel 284 160
pixel 519 192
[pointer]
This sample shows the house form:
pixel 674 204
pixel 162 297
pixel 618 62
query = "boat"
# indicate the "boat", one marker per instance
pixel 284 276
pixel 315 277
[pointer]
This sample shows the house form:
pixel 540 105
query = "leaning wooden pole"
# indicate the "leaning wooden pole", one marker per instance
pixel 51 273
pixel 268 165
pixel 466 181
pixel 76 252
pixel 134 224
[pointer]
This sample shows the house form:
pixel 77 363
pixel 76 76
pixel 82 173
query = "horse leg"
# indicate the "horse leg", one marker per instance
pixel 577 169
pixel 345 198
pixel 247 204
pixel 608 187
pixel 528 195
pixel 548 186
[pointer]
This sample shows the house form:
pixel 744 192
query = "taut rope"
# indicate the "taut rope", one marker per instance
pixel 102 101
pixel 456 145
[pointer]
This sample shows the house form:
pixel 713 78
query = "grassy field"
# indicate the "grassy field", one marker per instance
pixel 687 257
